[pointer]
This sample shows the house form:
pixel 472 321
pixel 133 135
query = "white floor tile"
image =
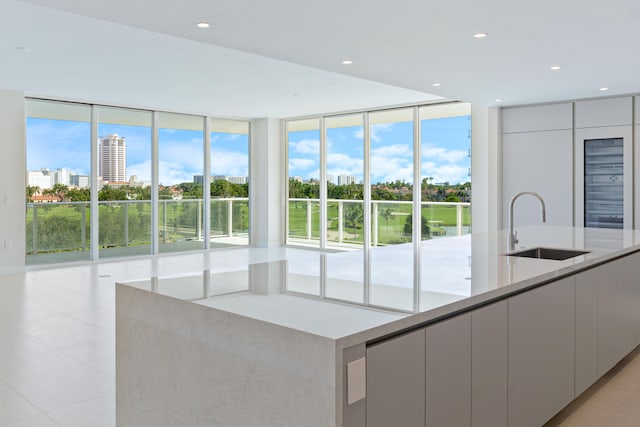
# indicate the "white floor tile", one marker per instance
pixel 95 413
pixel 98 355
pixel 16 343
pixel 63 331
pixel 13 407
pixel 38 421
pixel 53 380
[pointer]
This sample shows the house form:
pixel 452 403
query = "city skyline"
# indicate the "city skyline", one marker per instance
pixel 60 144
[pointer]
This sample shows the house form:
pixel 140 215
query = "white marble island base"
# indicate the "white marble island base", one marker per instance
pixel 182 364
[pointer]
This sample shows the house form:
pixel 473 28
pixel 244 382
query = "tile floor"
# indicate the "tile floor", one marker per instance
pixel 57 361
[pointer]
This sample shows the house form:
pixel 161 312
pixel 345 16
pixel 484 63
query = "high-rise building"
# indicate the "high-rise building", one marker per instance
pixel 112 152
pixel 41 178
pixel 346 179
pixel 61 176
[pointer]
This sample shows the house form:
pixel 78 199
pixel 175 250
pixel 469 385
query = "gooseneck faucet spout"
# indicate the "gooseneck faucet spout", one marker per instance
pixel 513 237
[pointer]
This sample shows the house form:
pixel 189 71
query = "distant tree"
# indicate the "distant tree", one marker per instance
pixel 79 195
pixel 386 213
pixel 32 190
pixel 353 216
pixel 424 225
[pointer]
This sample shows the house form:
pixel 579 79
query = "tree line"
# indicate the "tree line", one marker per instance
pixel 397 190
pixel 188 190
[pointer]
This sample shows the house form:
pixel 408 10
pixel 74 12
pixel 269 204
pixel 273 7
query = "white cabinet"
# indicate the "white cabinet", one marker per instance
pixel 537 154
pixel 489 365
pixel 541 353
pixel 537 118
pixel 604 112
pixel 396 382
pixel 523 364
pixel 618 310
pixel 448 373
pixel 586 330
pixel 556 320
pixel 540 162
pixel 609 350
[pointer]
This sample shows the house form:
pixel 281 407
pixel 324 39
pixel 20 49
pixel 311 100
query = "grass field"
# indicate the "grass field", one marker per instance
pixel 66 226
pixel 391 224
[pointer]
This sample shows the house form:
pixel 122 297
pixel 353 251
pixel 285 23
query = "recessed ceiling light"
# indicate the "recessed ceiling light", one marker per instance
pixel 555 67
pixel 604 89
pixel 435 84
pixel 347 62
pixel 498 100
pixel 480 35
pixel 203 25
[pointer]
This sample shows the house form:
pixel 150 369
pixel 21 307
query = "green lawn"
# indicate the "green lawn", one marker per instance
pixel 391 226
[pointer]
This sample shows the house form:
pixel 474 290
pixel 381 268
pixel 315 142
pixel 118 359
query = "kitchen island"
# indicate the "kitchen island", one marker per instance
pixel 494 340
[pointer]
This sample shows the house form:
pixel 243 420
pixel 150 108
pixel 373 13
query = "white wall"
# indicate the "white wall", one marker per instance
pixel 485 168
pixel 12 182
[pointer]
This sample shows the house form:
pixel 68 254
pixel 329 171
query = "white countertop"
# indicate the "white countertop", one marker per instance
pixel 456 273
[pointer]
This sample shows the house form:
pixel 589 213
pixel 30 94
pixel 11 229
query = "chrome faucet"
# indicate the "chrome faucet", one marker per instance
pixel 513 237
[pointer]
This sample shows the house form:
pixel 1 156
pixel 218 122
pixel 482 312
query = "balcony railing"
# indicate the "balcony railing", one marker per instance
pixel 391 221
pixel 65 226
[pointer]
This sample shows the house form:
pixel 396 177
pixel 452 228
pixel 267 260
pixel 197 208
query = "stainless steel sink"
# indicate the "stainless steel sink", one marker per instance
pixel 548 253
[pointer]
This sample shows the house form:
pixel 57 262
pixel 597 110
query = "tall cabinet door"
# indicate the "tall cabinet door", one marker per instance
pixel 396 382
pixel 537 150
pixel 448 373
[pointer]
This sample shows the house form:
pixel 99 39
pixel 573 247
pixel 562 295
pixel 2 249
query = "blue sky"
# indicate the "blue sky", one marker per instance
pixel 57 144
pixel 445 147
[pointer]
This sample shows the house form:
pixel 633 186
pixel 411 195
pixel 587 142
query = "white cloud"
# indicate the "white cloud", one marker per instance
pixel 171 173
pixel 301 164
pixel 231 163
pixel 392 150
pixel 141 170
pixel 387 169
pixel 375 131
pixel 440 153
pixel 445 173
pixel 188 155
pixel 305 146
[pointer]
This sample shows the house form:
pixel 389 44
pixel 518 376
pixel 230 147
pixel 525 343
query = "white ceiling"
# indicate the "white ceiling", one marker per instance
pixel 282 58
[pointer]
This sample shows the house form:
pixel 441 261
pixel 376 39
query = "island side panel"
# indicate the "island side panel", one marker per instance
pixel 179 363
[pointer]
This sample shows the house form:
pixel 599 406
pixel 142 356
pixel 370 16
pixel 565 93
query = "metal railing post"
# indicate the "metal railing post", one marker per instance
pixel 230 217
pixel 199 221
pixel 340 221
pixel 126 224
pixel 308 219
pixel 459 220
pixel 374 220
pixel 83 228
pixel 164 221
pixel 34 225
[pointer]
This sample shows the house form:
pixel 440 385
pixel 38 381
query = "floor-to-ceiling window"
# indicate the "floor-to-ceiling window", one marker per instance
pixel 303 147
pixel 180 195
pixel 124 173
pixel 109 181
pixel 345 205
pixel 445 167
pixel 391 181
pixel 58 182
pixel 391 135
pixel 229 187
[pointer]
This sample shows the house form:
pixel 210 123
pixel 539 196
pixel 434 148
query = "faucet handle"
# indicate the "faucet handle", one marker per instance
pixel 515 238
